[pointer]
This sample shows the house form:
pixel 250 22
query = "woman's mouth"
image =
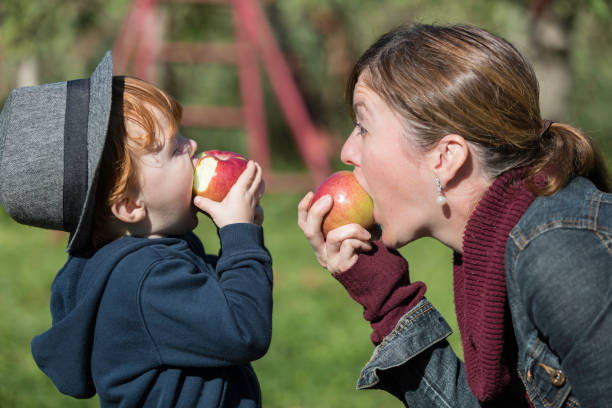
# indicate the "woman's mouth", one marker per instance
pixel 376 220
pixel 360 180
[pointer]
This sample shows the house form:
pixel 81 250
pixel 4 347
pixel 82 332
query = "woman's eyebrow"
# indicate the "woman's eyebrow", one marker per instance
pixel 359 105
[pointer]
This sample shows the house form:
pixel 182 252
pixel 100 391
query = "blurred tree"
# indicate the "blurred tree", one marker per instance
pixel 551 30
pixel 568 41
pixel 549 52
pixel 67 35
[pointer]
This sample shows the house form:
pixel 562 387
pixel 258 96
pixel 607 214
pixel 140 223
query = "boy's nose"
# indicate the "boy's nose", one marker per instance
pixel 193 145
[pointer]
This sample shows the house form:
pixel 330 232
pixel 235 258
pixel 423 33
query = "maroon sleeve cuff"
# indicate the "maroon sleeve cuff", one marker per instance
pixel 379 281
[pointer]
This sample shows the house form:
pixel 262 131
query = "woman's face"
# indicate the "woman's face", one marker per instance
pixel 391 168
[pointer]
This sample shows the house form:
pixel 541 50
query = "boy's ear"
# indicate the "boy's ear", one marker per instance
pixel 449 157
pixel 129 210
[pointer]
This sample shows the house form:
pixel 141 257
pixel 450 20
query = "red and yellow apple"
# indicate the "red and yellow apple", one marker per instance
pixel 216 172
pixel 351 203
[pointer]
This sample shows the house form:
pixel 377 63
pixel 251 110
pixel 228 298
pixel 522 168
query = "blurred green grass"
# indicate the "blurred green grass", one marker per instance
pixel 320 341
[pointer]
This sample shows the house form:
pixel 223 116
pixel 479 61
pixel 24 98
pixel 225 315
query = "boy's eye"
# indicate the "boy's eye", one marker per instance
pixel 181 146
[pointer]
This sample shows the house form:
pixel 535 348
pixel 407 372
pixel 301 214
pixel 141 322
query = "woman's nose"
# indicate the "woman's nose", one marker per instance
pixel 348 154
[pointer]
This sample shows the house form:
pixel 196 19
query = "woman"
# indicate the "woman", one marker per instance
pixel 450 144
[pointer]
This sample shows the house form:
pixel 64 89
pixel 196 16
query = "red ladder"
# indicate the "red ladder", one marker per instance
pixel 254 41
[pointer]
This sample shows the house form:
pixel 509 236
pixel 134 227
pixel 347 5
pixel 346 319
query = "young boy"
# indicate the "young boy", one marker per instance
pixel 142 316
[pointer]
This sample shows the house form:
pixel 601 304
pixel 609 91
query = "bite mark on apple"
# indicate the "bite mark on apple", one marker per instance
pixel 208 166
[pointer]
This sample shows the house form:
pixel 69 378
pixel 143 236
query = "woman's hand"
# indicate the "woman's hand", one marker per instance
pixel 339 250
pixel 241 204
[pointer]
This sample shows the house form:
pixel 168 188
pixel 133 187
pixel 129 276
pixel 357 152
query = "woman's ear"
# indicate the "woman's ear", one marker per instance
pixel 449 157
pixel 129 210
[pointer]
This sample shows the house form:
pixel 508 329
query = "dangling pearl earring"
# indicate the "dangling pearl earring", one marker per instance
pixel 441 200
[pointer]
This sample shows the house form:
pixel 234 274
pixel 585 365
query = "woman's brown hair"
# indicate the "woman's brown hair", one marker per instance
pixel 467 81
pixel 132 102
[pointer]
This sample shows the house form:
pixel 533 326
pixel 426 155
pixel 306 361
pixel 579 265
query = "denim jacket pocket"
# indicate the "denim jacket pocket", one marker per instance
pixel 545 380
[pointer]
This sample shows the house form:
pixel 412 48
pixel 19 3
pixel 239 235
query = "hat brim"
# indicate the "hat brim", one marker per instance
pixel 100 98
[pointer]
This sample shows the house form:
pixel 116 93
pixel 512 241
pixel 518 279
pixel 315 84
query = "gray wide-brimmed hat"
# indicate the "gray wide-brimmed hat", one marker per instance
pixel 51 140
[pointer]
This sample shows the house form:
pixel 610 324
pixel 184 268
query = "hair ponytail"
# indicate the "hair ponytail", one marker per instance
pixel 566 153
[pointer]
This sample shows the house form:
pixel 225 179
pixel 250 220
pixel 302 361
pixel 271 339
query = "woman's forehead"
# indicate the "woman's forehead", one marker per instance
pixel 361 96
pixel 366 101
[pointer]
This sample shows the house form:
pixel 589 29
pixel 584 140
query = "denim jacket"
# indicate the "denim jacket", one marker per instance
pixel 559 284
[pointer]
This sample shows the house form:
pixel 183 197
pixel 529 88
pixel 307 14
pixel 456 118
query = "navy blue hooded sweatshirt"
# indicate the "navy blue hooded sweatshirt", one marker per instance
pixel 157 322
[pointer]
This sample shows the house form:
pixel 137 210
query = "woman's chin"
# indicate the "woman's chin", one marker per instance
pixel 392 240
pixel 388 239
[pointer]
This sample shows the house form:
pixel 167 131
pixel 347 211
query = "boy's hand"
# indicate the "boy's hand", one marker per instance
pixel 339 251
pixel 259 215
pixel 241 204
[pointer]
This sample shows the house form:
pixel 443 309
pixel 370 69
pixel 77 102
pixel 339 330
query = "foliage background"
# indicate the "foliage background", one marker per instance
pixel 320 341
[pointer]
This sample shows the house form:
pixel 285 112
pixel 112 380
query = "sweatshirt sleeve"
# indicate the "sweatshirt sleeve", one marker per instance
pixel 201 318
pixel 379 281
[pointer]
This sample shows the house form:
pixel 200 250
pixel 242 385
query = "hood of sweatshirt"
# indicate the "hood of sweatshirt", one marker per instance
pixel 64 351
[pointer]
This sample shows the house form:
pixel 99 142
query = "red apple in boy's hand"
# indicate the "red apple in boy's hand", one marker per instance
pixel 216 172
pixel 352 204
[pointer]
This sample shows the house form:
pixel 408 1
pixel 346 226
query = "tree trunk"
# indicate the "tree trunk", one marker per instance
pixel 27 72
pixel 549 52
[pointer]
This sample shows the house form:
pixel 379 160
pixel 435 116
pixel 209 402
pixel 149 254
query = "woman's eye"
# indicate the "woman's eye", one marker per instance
pixel 360 129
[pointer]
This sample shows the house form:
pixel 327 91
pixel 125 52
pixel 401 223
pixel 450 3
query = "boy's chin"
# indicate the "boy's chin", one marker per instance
pixel 192 224
pixel 195 223
pixel 184 227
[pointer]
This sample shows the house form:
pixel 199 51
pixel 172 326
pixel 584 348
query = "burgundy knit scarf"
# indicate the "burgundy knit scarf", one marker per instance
pixel 480 286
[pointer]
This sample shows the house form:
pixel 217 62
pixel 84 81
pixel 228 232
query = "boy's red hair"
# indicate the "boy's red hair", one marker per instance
pixel 132 103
